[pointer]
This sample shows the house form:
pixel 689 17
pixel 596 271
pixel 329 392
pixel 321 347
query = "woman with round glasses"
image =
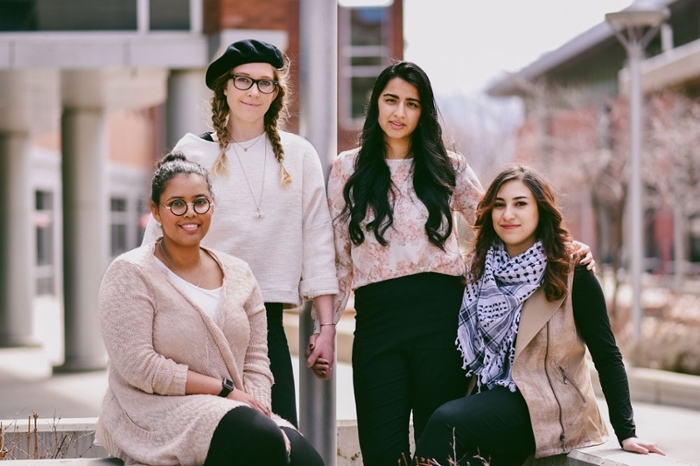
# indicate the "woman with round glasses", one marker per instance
pixel 184 327
pixel 271 209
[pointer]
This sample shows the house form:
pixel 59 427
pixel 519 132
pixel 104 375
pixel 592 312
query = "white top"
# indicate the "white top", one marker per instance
pixel 289 249
pixel 408 250
pixel 208 300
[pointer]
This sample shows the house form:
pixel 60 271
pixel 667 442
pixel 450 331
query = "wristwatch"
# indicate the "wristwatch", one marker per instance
pixel 228 387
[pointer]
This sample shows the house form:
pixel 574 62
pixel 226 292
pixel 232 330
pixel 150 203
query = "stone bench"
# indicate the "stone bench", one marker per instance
pixel 70 442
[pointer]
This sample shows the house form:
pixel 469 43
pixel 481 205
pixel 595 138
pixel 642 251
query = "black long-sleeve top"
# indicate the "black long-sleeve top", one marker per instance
pixel 592 322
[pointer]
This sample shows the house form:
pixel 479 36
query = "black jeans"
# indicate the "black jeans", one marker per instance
pixel 283 392
pixel 494 424
pixel 245 436
pixel 404 360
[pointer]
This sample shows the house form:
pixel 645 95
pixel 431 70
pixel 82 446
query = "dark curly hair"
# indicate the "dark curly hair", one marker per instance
pixel 175 163
pixel 433 173
pixel 551 230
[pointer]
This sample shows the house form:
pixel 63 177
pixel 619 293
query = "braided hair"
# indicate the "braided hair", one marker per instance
pixel 274 117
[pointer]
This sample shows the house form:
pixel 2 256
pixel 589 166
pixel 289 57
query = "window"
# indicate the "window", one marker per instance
pixel 44 227
pixel 118 226
pixel 169 15
pixel 92 15
pixel 144 215
pixel 68 15
pixel 364 50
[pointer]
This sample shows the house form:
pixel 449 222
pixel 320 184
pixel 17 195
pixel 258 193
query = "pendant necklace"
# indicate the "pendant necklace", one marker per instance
pixel 258 202
pixel 245 149
pixel 199 280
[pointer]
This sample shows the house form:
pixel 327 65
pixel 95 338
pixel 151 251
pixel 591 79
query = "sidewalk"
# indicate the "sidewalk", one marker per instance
pixel 27 383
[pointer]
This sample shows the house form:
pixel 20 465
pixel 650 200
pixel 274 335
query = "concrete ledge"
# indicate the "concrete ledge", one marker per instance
pixel 666 388
pixel 659 387
pixel 608 454
pixel 70 461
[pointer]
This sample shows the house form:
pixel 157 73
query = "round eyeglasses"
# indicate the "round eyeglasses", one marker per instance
pixel 243 83
pixel 200 206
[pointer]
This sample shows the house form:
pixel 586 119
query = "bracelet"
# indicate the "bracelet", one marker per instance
pixel 329 323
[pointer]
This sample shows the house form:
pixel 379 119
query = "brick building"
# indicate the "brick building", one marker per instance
pixel 577 129
pixel 91 94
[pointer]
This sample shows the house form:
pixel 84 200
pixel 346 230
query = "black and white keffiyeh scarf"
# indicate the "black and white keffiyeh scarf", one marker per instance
pixel 490 313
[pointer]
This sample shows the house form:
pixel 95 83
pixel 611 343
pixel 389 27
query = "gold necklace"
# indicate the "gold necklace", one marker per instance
pixel 199 280
pixel 245 149
pixel 258 202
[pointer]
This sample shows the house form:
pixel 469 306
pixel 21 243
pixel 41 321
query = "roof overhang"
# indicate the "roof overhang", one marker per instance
pixel 670 69
pixel 89 50
pixel 516 83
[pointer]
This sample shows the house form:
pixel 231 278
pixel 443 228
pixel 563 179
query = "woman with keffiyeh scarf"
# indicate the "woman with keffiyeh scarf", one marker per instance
pixel 527 317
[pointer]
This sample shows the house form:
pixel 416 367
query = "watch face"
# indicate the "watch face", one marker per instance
pixel 228 384
pixel 227 387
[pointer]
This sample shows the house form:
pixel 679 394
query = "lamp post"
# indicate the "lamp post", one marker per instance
pixel 318 66
pixel 635 26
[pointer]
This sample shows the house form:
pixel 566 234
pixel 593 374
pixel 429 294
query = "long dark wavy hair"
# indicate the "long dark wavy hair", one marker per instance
pixel 433 173
pixel 551 230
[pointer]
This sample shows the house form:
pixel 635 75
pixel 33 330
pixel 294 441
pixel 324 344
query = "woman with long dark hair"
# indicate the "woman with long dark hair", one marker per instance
pixel 391 201
pixel 527 317
pixel 396 245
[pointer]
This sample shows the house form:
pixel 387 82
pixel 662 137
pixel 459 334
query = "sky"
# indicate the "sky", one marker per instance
pixel 465 44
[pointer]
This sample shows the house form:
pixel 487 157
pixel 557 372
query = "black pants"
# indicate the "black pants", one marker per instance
pixel 493 423
pixel 245 436
pixel 404 359
pixel 283 394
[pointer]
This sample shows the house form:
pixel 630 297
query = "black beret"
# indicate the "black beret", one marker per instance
pixel 240 53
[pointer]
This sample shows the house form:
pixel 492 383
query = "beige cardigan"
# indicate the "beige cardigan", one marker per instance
pixel 154 334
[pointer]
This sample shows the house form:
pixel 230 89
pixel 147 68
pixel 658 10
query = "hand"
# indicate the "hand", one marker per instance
pixel 322 369
pixel 239 395
pixel 636 445
pixel 320 353
pixel 583 253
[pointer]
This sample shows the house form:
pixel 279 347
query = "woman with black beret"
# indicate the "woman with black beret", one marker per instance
pixel 271 203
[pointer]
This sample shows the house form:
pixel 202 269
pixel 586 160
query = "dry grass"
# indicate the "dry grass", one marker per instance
pixel 17 443
pixel 670 338
pixel 450 462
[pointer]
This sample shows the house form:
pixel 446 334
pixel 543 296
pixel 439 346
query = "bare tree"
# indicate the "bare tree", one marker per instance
pixel 674 138
pixel 574 138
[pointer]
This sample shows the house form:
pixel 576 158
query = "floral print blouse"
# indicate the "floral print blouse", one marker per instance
pixel 409 251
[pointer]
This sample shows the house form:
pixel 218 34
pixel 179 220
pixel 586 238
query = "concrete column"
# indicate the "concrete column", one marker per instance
pixel 187 105
pixel 85 234
pixel 16 241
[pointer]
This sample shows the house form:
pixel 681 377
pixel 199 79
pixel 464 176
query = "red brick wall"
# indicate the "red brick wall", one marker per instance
pixel 270 14
pixel 136 150
pixel 276 15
